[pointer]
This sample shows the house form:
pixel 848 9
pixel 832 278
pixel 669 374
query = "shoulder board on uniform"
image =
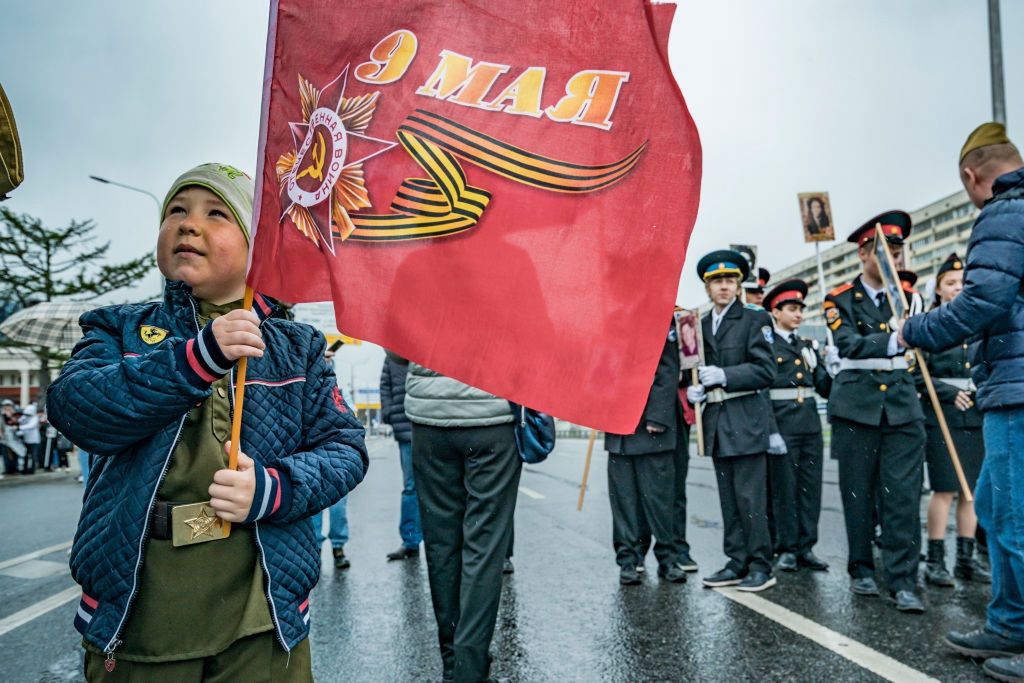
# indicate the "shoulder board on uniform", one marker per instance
pixel 841 288
pixel 753 307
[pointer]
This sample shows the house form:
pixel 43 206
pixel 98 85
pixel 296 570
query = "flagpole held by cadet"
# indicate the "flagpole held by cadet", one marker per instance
pixel 925 374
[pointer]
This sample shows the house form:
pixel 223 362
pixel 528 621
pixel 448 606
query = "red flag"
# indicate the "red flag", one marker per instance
pixel 502 192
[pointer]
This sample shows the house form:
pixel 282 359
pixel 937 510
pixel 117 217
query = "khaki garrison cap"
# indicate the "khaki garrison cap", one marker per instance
pixel 986 134
pixel 11 170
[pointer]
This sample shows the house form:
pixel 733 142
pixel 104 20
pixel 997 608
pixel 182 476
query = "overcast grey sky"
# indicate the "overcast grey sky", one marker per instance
pixel 868 100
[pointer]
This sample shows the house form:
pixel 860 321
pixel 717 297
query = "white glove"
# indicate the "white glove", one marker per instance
pixel 776 445
pixel 712 376
pixel 810 358
pixel 832 360
pixel 695 394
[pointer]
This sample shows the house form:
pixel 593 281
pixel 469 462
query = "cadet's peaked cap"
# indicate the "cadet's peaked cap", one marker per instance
pixel 723 263
pixel 763 276
pixel 986 134
pixel 953 262
pixel 895 226
pixel 786 292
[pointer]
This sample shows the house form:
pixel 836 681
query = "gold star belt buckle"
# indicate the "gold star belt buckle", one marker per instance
pixel 195 523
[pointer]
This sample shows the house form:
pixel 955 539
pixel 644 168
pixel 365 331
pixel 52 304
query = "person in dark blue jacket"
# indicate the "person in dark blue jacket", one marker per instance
pixel 990 310
pixel 392 404
pixel 169 591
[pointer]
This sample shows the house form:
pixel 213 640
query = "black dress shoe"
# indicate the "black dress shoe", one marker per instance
pixel 403 553
pixel 724 577
pixel 1006 669
pixel 865 586
pixel 812 562
pixel 982 644
pixel 672 573
pixel 628 576
pixel 756 582
pixel 907 601
pixel 786 562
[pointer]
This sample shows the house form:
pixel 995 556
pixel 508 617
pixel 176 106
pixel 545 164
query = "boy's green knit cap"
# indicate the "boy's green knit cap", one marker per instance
pixel 234 188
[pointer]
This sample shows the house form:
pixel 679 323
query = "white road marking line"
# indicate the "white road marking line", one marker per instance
pixel 531 493
pixel 26 615
pixel 33 555
pixel 858 653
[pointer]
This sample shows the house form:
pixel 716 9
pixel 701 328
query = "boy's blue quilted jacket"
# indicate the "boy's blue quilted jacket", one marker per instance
pixel 124 401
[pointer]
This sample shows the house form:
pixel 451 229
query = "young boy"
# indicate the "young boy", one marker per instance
pixel 737 419
pixel 167 594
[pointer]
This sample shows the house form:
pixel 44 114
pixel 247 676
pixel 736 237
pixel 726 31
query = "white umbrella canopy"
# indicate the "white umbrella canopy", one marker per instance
pixel 51 324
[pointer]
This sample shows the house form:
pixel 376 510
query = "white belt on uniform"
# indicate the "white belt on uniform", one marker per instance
pixel 897 363
pixel 721 395
pixel 792 394
pixel 961 383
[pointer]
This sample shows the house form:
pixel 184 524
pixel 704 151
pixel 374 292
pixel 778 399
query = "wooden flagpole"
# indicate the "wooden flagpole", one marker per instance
pixel 586 469
pixel 925 374
pixel 698 408
pixel 236 420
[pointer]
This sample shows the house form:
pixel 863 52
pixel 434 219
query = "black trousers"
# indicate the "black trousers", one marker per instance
pixel 467 480
pixel 743 494
pixel 642 491
pixel 796 492
pixel 682 463
pixel 884 461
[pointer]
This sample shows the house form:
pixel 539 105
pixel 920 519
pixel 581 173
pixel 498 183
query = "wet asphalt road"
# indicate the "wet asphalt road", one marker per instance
pixel 563 617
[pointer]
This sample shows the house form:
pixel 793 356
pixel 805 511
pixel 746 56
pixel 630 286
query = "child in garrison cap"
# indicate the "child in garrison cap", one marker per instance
pixel 170 593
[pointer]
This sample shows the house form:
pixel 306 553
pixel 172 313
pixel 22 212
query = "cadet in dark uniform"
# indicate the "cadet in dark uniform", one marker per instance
pixel 796 473
pixel 642 476
pixel 740 367
pixel 754 291
pixel 877 423
pixel 951 373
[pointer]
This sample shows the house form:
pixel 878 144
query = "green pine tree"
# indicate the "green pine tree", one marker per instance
pixel 40 263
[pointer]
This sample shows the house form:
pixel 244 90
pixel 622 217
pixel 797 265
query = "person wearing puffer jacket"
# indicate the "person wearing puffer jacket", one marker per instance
pixel 990 310
pixel 467 472
pixel 168 594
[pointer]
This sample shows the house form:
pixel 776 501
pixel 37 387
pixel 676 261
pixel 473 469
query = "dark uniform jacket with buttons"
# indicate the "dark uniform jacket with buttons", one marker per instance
pixel 798 415
pixel 663 409
pixel 952 363
pixel 861 330
pixel 743 349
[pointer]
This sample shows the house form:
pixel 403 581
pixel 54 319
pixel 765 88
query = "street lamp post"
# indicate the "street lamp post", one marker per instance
pixel 149 194
pixel 995 50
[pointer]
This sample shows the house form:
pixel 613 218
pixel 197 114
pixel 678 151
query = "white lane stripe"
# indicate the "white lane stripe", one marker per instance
pixel 531 493
pixel 858 653
pixel 33 555
pixel 51 603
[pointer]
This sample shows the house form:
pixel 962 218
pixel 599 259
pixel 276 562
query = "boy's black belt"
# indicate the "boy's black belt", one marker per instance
pixel 185 523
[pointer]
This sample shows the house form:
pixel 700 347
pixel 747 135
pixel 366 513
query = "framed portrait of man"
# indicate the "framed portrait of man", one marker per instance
pixel 749 252
pixel 816 215
pixel 689 339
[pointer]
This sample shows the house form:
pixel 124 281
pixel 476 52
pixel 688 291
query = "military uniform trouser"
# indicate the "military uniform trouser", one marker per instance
pixel 743 494
pixel 467 480
pixel 884 462
pixel 253 659
pixel 641 490
pixel 796 492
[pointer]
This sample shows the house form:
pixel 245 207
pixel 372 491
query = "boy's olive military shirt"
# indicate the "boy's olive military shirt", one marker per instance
pixel 196 600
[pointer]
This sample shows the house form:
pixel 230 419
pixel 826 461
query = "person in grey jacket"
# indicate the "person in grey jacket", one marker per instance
pixel 392 405
pixel 467 471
